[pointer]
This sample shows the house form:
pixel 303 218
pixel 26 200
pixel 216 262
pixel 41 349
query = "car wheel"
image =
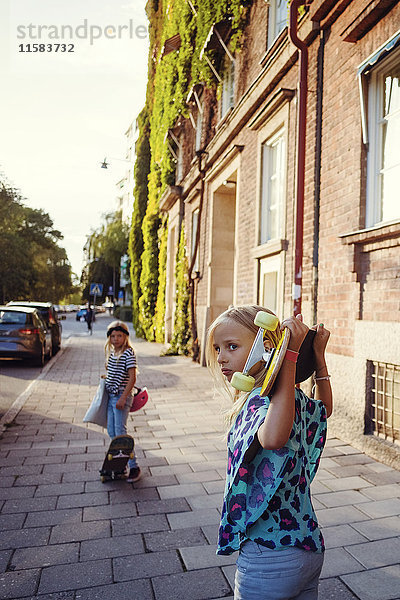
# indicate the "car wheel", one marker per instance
pixel 38 361
pixel 50 352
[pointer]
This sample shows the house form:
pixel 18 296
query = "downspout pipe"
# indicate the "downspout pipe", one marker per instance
pixel 317 172
pixel 194 280
pixel 301 153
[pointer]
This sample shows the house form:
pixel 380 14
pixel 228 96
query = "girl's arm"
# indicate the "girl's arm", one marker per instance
pixel 323 390
pixel 128 388
pixel 275 430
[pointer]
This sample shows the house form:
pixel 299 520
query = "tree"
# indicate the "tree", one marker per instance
pixel 104 248
pixel 32 264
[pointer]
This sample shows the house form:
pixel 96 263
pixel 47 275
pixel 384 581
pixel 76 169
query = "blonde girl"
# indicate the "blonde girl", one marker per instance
pixel 120 380
pixel 274 447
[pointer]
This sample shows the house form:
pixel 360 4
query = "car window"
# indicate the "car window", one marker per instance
pixel 44 313
pixel 37 319
pixel 11 317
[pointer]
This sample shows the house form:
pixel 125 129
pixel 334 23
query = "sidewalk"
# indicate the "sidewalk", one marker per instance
pixel 65 535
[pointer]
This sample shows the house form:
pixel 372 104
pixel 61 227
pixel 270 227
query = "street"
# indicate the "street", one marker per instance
pixel 16 375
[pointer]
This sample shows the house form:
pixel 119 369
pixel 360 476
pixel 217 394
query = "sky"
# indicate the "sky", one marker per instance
pixel 61 112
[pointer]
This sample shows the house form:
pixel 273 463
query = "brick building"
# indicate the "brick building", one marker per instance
pixel 236 181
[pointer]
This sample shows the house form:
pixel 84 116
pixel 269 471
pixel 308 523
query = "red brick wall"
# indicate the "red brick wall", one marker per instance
pixel 254 46
pixel 346 292
pixel 343 191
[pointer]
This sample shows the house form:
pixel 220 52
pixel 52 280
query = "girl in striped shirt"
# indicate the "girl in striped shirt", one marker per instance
pixel 120 380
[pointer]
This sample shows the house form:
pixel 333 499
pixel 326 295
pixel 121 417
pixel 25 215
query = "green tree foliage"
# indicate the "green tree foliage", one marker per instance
pixel 169 80
pixel 180 342
pixel 32 265
pixel 104 248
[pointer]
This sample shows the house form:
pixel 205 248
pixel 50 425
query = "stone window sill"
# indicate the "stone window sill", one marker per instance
pixel 270 248
pixel 377 233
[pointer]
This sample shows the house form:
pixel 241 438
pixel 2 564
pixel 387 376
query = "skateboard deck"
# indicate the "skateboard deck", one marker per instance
pixel 274 363
pixel 305 365
pixel 117 456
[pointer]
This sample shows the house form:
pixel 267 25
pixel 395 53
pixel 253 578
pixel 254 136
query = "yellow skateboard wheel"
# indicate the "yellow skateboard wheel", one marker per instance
pixel 109 456
pixel 266 320
pixel 103 479
pixel 243 383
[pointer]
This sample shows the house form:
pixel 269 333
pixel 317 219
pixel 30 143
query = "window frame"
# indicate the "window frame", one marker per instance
pixel 194 223
pixel 199 126
pixel 227 85
pixel 375 151
pixel 273 23
pixel 264 206
pixel 272 264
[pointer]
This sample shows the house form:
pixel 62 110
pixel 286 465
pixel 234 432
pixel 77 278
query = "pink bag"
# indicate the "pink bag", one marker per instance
pixel 140 398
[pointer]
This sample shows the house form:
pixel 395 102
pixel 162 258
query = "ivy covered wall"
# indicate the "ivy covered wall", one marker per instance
pixel 169 80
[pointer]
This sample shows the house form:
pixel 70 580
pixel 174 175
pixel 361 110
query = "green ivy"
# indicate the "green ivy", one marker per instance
pixel 169 80
pixel 162 281
pixel 135 248
pixel 181 339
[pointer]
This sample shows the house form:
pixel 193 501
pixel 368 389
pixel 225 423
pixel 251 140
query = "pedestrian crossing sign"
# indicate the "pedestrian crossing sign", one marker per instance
pixel 96 289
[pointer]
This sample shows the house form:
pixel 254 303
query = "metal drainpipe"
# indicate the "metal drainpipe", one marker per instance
pixel 193 281
pixel 317 176
pixel 301 153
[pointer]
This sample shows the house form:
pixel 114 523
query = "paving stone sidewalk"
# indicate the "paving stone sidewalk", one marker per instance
pixel 65 535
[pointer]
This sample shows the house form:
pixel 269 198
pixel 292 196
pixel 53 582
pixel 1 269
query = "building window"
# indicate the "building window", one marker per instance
pixel 195 221
pixel 383 170
pixel 383 412
pixel 228 85
pixel 179 160
pixel 199 125
pixel 270 291
pixel 277 19
pixel 273 171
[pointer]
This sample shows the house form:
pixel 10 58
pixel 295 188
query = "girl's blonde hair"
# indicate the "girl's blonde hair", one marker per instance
pixel 243 315
pixel 127 342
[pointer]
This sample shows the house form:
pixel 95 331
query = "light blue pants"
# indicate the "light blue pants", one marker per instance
pixel 117 420
pixel 287 574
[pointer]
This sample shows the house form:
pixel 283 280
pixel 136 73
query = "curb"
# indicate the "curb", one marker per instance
pixel 19 402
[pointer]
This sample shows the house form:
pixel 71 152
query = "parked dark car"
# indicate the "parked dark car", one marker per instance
pixel 24 334
pixel 49 315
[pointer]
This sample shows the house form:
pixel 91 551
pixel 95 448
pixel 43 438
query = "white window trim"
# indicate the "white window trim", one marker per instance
pixel 374 157
pixel 199 127
pixel 271 141
pixel 196 266
pixel 274 249
pixel 273 32
pixel 228 86
pixel 272 264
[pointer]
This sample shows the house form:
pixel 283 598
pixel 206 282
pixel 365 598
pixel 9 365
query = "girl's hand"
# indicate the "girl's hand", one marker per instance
pixel 320 340
pixel 120 404
pixel 298 331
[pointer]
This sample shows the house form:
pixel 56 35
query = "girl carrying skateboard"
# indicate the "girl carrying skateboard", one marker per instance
pixel 274 447
pixel 120 380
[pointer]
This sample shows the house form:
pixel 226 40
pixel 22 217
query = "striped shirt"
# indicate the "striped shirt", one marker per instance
pixel 117 370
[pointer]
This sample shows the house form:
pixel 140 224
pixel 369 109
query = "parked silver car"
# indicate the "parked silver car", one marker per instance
pixel 49 316
pixel 24 334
